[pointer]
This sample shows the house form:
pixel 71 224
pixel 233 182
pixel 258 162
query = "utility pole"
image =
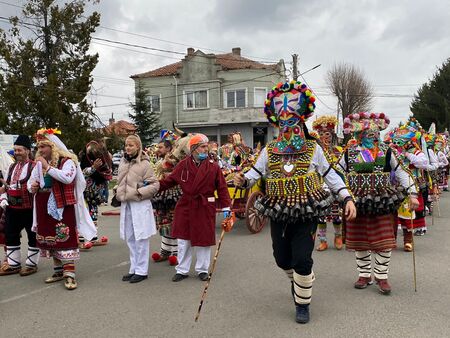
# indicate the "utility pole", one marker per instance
pixel 294 67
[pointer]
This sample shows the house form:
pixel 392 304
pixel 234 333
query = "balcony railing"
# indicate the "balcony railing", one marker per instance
pixel 222 116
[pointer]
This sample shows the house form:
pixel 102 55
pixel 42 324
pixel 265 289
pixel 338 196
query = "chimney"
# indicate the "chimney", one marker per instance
pixel 236 51
pixel 190 51
pixel 112 120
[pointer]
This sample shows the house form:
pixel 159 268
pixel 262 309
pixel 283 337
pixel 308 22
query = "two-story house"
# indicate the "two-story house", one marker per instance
pixel 214 94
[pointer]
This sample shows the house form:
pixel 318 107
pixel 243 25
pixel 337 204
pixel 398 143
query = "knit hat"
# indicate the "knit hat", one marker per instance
pixel 24 141
pixel 197 140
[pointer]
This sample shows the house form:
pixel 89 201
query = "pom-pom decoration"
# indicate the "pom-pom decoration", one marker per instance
pixel 358 122
pixel 293 97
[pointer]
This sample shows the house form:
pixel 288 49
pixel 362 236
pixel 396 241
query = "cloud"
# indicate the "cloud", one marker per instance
pixel 394 42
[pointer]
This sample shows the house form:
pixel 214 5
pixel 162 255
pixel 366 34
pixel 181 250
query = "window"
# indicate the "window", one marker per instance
pixel 260 97
pixel 196 99
pixel 154 103
pixel 235 98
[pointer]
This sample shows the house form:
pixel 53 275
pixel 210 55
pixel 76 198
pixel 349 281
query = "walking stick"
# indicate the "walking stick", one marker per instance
pixel 413 252
pixel 229 222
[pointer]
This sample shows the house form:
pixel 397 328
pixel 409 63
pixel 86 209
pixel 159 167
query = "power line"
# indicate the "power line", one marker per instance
pixel 12 5
pixel 158 39
pixel 180 44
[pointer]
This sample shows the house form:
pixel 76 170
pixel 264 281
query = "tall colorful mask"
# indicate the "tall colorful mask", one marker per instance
pixel 440 142
pixel 407 135
pixel 288 106
pixel 325 127
pixel 366 127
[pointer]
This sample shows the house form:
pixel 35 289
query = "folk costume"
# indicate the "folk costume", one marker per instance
pixel 371 166
pixel 325 127
pixel 5 162
pixel 59 212
pixel 407 140
pixel 431 172
pixel 164 204
pixel 136 185
pixel 440 146
pixel 295 167
pixel 195 213
pixel 19 215
pixel 96 184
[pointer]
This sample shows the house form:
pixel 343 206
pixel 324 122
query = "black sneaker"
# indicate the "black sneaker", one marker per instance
pixel 179 277
pixel 137 278
pixel 203 276
pixel 127 277
pixel 302 313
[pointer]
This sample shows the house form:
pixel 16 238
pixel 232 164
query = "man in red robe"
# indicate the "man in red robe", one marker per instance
pixel 195 213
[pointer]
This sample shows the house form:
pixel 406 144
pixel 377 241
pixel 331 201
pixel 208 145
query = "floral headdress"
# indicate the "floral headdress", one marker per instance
pixel 43 133
pixel 325 123
pixel 358 122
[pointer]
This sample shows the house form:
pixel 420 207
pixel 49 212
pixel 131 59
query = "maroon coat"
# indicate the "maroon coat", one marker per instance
pixel 195 212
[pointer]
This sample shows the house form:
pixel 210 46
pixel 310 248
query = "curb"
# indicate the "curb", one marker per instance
pixel 111 213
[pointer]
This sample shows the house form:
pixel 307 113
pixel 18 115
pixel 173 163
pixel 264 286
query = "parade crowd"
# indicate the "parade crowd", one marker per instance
pixel 367 189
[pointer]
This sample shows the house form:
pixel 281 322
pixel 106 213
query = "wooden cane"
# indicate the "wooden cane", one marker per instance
pixel 438 206
pixel 413 252
pixel 216 254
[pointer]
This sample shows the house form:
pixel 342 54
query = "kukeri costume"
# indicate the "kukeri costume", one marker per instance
pixel 325 127
pixel 164 203
pixel 295 167
pixel 407 140
pixel 371 166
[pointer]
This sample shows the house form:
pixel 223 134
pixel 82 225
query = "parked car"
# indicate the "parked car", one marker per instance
pixel 115 163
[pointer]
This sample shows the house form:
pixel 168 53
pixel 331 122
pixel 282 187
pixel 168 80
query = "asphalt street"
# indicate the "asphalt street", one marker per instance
pixel 248 296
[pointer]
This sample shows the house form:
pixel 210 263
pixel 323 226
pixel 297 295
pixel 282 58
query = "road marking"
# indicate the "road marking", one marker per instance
pixel 26 294
pixel 8 300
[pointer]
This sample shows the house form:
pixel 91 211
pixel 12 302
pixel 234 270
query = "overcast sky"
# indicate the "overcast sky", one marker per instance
pixel 397 44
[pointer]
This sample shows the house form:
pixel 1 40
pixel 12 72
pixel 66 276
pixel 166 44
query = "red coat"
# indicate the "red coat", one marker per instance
pixel 195 212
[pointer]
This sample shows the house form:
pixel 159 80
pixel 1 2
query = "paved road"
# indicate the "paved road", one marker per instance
pixel 248 297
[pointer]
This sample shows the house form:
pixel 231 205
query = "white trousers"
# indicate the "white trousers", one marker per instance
pixel 139 249
pixel 185 249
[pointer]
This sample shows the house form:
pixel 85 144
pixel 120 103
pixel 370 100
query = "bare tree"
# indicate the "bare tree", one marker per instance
pixel 353 91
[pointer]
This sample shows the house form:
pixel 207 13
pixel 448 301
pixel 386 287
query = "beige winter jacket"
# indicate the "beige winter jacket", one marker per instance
pixel 136 180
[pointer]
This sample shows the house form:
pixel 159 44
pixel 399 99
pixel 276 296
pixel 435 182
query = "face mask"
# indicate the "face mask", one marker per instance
pixel 202 156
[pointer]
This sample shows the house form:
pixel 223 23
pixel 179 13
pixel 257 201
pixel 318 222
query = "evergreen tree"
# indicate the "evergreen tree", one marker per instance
pixel 432 101
pixel 45 73
pixel 143 116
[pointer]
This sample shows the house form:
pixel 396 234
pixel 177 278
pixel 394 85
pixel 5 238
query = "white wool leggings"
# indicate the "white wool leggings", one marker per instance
pixel 381 266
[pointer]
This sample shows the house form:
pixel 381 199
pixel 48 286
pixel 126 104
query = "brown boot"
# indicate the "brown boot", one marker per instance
pixel 407 240
pixel 363 282
pixel 383 286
